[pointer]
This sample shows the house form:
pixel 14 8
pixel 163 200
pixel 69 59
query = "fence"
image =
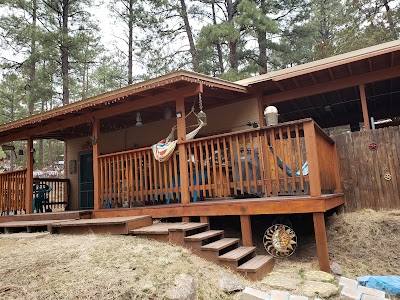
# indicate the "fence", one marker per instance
pixel 370 175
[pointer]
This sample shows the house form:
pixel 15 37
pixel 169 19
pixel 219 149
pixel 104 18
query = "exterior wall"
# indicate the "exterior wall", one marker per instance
pixel 74 148
pixel 226 118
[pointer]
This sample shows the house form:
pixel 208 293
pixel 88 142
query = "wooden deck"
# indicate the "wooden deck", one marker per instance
pixel 116 225
pixel 253 206
pixel 76 214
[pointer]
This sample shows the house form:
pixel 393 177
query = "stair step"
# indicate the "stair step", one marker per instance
pixel 221 244
pixel 237 254
pixel 257 267
pixel 203 235
pixel 157 228
pixel 188 226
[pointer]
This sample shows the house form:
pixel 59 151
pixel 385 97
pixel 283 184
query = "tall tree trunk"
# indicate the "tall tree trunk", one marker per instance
pixel 130 43
pixel 390 20
pixel 262 43
pixel 84 80
pixel 40 150
pixel 233 58
pixel 192 45
pixel 65 52
pixel 218 45
pixel 50 156
pixel 32 68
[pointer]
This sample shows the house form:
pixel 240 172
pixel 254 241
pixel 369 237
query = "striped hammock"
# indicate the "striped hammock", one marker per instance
pixel 163 150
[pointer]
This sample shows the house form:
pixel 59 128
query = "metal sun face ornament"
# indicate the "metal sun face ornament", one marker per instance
pixel 280 240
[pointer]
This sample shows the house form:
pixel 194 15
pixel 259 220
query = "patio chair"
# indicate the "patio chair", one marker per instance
pixel 41 198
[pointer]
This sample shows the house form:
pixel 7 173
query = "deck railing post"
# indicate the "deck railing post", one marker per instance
pixel 96 173
pixel 312 158
pixel 29 175
pixel 183 162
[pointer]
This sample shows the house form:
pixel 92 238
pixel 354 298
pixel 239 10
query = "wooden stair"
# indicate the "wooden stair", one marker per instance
pixel 211 245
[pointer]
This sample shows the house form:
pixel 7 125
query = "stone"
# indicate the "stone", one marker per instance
pixel 318 288
pixel 281 281
pixel 371 291
pixel 336 269
pixel 184 288
pixel 253 294
pixel 318 276
pixel 279 295
pixel 295 297
pixel 351 283
pixel 348 293
pixel 230 284
pixel 370 297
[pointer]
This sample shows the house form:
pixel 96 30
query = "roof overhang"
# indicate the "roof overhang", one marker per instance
pixel 53 123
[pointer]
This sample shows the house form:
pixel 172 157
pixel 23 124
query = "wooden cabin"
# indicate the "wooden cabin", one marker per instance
pixel 235 165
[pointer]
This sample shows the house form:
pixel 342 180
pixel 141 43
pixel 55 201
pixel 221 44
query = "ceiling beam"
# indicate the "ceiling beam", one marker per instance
pixel 333 85
pixel 110 111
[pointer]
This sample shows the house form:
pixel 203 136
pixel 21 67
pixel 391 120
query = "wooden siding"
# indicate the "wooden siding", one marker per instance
pixel 362 170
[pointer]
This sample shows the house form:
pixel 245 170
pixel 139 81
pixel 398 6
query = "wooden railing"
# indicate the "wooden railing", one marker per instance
pixel 293 158
pixel 12 191
pixel 134 178
pixel 251 163
pixel 59 193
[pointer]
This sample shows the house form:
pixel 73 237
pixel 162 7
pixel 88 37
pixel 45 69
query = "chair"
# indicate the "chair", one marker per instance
pixel 41 198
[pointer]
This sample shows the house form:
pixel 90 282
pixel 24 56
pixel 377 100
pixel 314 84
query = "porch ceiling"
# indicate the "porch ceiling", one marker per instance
pixel 327 90
pixel 74 120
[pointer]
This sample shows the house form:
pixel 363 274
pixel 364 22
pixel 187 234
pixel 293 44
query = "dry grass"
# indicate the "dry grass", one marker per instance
pixel 366 242
pixel 100 267
pixel 126 267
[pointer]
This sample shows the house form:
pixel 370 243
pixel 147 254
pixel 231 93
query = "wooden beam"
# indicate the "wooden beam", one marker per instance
pixel 186 91
pixel 247 236
pixel 29 176
pixel 261 120
pixel 96 169
pixel 364 107
pixel 258 206
pixel 321 241
pixel 332 85
pixel 183 160
pixel 312 158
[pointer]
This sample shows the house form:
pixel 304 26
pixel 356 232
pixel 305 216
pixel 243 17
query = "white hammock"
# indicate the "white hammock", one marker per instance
pixel 163 150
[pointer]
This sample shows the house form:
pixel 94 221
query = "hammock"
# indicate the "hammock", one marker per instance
pixel 289 172
pixel 163 150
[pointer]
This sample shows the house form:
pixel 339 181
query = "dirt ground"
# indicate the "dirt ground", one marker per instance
pixel 127 267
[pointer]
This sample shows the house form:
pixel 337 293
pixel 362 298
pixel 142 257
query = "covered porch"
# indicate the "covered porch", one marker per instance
pixel 235 166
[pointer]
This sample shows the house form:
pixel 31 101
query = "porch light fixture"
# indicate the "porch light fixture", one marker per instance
pixel 138 119
pixel 167 113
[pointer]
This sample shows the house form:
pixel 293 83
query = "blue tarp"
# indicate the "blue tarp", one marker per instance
pixel 388 284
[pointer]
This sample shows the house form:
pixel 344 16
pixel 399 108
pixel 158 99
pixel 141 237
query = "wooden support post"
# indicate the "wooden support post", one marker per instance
pixel 183 161
pixel 260 110
pixel 321 241
pixel 312 158
pixel 364 107
pixel 29 175
pixel 186 219
pixel 205 219
pixel 338 186
pixel 245 224
pixel 96 171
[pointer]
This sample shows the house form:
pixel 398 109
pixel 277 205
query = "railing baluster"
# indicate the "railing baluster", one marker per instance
pixel 239 162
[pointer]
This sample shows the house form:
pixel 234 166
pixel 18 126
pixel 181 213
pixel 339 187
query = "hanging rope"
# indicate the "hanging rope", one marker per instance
pixel 163 150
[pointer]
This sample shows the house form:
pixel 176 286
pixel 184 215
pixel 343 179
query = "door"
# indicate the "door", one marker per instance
pixel 86 182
